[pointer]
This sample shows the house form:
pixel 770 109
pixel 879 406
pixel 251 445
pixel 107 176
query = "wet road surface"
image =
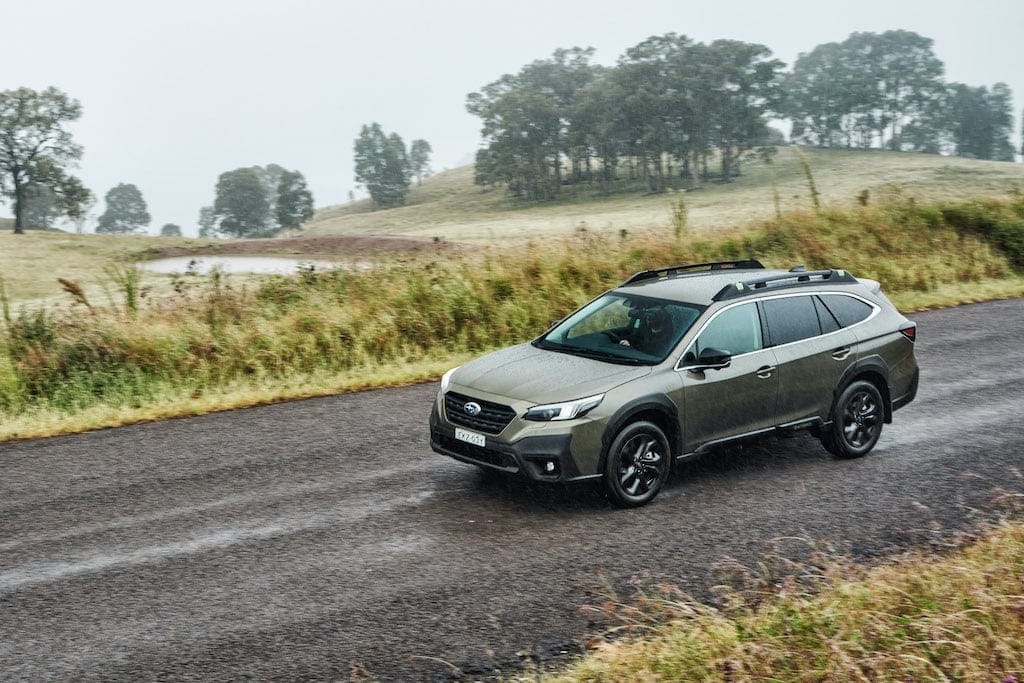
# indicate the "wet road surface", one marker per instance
pixel 311 539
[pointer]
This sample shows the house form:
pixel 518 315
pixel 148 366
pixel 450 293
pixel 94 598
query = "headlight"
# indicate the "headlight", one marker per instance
pixel 446 378
pixel 564 411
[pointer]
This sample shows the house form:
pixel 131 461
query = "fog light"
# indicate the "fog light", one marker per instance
pixel 549 466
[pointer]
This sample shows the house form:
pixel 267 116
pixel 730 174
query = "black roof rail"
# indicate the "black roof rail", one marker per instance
pixel 786 280
pixel 674 271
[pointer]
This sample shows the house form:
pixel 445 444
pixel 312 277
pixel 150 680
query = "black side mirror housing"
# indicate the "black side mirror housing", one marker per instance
pixel 711 359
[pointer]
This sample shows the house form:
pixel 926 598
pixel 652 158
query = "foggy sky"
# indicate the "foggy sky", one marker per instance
pixel 175 93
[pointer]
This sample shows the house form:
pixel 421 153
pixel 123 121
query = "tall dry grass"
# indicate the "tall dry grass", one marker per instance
pixel 922 618
pixel 214 333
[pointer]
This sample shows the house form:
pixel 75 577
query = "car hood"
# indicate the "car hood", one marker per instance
pixel 527 373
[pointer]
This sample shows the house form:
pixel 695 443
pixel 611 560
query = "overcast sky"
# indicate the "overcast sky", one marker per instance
pixel 175 93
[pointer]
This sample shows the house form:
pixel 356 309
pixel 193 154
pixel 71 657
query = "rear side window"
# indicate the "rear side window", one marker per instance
pixel 825 317
pixel 847 310
pixel 791 319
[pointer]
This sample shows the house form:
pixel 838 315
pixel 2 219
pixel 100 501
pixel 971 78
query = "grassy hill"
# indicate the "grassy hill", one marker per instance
pixel 449 205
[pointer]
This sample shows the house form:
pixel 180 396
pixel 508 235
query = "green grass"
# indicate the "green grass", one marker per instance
pixel 216 342
pixel 31 263
pixel 449 206
pixel 920 618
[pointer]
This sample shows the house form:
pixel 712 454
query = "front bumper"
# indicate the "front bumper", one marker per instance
pixel 541 458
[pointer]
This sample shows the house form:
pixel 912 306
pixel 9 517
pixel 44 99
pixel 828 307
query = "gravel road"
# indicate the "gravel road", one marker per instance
pixel 311 539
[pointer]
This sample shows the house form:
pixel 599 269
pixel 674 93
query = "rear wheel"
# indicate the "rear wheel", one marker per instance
pixel 856 421
pixel 637 465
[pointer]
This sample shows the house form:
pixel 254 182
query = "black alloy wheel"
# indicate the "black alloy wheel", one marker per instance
pixel 856 421
pixel 637 465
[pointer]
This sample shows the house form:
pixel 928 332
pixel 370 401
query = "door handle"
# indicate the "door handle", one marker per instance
pixel 765 371
pixel 841 353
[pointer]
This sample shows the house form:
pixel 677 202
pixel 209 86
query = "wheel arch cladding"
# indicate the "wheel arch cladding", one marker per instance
pixel 871 369
pixel 657 409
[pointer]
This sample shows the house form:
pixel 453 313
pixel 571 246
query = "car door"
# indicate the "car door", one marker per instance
pixel 735 400
pixel 812 353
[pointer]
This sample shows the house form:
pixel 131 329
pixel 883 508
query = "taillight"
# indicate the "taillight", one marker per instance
pixel 909 330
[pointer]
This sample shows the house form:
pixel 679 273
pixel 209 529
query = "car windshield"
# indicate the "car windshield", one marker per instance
pixel 623 328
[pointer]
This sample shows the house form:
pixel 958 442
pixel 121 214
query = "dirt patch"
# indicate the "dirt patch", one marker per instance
pixel 336 246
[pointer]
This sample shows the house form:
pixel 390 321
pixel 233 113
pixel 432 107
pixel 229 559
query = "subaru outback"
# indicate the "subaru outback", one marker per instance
pixel 676 362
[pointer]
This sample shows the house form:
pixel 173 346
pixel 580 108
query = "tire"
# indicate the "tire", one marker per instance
pixel 637 465
pixel 857 419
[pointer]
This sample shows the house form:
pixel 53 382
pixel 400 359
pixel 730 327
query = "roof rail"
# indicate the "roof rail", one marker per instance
pixel 784 281
pixel 675 271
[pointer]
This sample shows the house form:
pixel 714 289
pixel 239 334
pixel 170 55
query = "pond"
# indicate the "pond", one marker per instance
pixel 265 265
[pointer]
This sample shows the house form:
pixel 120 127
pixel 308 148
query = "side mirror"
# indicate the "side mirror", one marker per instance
pixel 711 359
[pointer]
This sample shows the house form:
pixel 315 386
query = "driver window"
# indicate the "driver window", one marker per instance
pixel 736 330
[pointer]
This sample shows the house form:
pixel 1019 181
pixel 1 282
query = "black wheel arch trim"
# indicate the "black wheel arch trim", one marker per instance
pixel 873 364
pixel 658 403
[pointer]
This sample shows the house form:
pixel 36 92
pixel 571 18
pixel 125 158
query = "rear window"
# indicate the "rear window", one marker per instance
pixel 847 310
pixel 791 319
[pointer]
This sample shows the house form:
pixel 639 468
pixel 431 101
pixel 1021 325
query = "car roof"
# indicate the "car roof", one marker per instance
pixel 706 287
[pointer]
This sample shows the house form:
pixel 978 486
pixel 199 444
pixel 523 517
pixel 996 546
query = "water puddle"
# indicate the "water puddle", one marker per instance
pixel 265 265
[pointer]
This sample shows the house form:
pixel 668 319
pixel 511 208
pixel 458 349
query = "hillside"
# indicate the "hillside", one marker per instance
pixel 449 205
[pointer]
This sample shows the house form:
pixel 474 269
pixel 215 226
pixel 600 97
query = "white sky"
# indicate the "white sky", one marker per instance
pixel 176 92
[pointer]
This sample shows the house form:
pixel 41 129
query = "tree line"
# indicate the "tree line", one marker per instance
pixel 671 105
pixel 36 151
pixel 671 111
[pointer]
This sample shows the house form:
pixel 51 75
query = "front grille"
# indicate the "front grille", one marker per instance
pixel 477 454
pixel 492 418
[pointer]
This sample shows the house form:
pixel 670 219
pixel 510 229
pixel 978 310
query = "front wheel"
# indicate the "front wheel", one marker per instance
pixel 637 465
pixel 856 421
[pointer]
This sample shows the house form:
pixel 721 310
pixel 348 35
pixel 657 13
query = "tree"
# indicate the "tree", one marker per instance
pixel 382 165
pixel 981 121
pixel 526 124
pixel 241 208
pixel 207 222
pixel 270 176
pixel 126 210
pixel 908 77
pixel 872 89
pixel 746 81
pixel 294 203
pixel 170 230
pixel 419 160
pixel 40 208
pixel 36 149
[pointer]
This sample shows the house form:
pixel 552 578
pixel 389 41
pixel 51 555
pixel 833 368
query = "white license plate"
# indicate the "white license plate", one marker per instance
pixel 470 437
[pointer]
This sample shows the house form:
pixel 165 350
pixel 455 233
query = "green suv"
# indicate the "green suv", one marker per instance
pixel 675 362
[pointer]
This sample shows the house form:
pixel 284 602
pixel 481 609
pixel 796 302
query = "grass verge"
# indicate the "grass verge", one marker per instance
pixel 955 617
pixel 216 344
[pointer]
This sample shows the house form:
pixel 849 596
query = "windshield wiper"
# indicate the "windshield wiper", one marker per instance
pixel 589 353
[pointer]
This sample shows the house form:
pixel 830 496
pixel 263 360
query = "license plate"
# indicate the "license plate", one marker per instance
pixel 470 437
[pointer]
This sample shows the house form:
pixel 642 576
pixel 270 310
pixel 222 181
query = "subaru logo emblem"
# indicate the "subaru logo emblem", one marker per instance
pixel 472 408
